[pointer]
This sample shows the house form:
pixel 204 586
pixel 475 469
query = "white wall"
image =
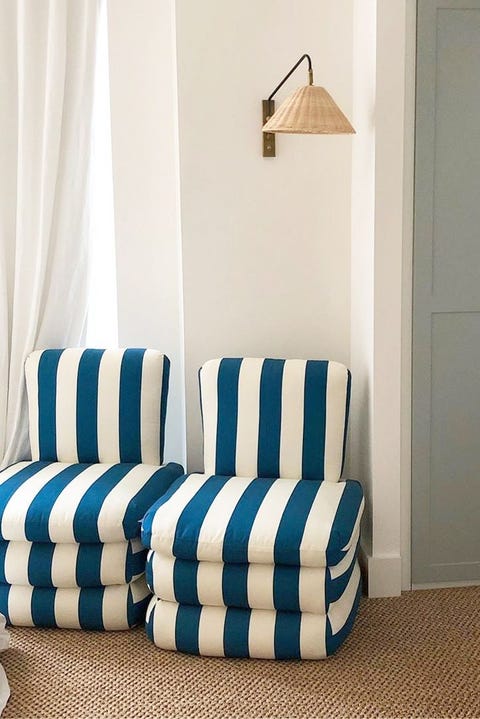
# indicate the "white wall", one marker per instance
pixel 363 253
pixel 266 242
pixel 300 255
pixel 145 170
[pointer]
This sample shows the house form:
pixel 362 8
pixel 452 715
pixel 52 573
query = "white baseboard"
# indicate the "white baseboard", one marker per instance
pixel 447 585
pixel 383 574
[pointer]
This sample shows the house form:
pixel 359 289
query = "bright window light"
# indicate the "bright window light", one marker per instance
pixel 102 323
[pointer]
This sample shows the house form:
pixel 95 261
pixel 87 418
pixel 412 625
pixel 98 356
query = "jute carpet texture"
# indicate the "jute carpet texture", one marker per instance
pixel 413 656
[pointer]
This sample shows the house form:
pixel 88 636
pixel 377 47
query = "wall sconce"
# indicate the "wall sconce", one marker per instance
pixel 309 110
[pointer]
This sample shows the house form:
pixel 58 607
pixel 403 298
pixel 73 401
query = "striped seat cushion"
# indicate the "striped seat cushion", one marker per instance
pixel 249 586
pixel 40 564
pixel 275 418
pixel 119 606
pixel 256 633
pixel 244 520
pixel 78 503
pixel 91 405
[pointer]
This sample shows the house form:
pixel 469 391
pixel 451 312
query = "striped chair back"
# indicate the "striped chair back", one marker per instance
pixel 95 405
pixel 274 417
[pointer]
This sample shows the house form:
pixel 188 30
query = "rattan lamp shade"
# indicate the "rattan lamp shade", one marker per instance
pixel 310 110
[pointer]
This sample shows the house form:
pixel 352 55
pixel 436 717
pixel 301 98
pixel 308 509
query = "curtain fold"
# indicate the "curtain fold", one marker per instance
pixel 47 72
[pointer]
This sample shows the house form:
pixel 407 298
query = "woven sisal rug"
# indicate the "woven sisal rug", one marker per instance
pixel 413 656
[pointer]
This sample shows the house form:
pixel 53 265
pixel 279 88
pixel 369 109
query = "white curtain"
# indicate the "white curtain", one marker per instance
pixel 47 67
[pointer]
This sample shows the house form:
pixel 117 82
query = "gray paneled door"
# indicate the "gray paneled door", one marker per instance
pixel 446 320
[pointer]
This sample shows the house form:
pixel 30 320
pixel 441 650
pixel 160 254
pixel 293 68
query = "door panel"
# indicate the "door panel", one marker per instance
pixel 446 321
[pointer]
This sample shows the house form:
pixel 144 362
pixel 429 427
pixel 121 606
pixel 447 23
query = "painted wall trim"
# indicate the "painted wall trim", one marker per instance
pixel 383 574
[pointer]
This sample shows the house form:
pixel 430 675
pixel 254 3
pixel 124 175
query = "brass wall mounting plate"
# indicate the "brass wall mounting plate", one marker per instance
pixel 268 108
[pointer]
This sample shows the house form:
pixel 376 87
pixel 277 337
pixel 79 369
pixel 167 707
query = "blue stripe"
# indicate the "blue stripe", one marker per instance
pixel 185 582
pixel 314 418
pixel 149 624
pixel 347 412
pixel 237 533
pixel 191 518
pixel 270 418
pixel 186 628
pixel 227 415
pixel 3 554
pixel 235 632
pixel 136 562
pixel 87 405
pixel 4 592
pixel 147 521
pixel 85 528
pixel 290 531
pixel 136 610
pixel 286 587
pixel 40 564
pixel 88 568
pixel 235 585
pixel 129 405
pixel 334 641
pixel 10 486
pixel 47 403
pixel 287 635
pixel 344 521
pixel 43 607
pixel 38 513
pixel 157 485
pixel 90 608
pixel 334 588
pixel 163 403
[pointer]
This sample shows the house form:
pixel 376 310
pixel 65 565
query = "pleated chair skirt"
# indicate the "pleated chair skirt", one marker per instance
pixel 255 633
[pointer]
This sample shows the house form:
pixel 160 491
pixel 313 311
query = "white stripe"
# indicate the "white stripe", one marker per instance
pixel 261 543
pixel 212 531
pixel 319 524
pixel 139 589
pixel 210 631
pixel 208 381
pixel 337 378
pixel 291 434
pixel 66 608
pixel 66 405
pixel 356 526
pixel 260 586
pixel 64 565
pixel 13 520
pixel 164 622
pixel 261 634
pixel 115 504
pixel 339 611
pixel 162 576
pixel 113 564
pixel 166 517
pixel 60 521
pixel 31 376
pixel 150 401
pixel 209 583
pixel 20 606
pixel 114 608
pixel 136 545
pixel 344 565
pixel 13 469
pixel 248 416
pixel 16 563
pixel 311 589
pixel 313 633
pixel 108 406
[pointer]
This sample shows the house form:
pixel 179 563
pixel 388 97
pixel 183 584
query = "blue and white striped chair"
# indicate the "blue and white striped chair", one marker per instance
pixel 70 553
pixel 257 557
